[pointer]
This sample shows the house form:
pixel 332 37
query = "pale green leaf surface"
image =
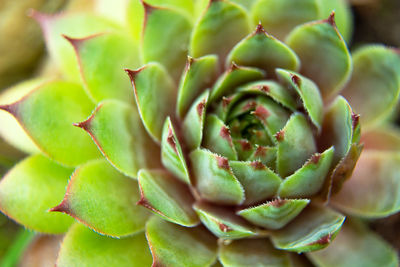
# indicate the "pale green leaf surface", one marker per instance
pixel 343 15
pixel 30 189
pixel 84 248
pixel 104 200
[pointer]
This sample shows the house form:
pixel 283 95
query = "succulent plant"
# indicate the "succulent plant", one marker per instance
pixel 226 146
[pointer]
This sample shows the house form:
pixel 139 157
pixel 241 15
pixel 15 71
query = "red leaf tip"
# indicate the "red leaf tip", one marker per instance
pixel 280 136
pixel 171 140
pixel 9 108
pixel 260 29
pixel 132 73
pixel 62 207
pixel 84 124
pixel 277 202
pixel 261 113
pixel 315 158
pixel 331 19
pixel 257 165
pixel 224 133
pixel 224 228
pixel 356 119
pixel 222 163
pixel 296 79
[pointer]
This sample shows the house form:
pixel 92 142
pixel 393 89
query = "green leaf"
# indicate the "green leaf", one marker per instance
pixel 223 223
pixel 343 15
pixel 252 252
pixel 309 179
pixel 375 84
pixel 279 17
pixel 30 189
pixel 162 24
pixel 83 247
pixel 356 246
pixel 258 181
pixel 217 138
pixel 266 154
pixel 214 178
pixel 263 51
pixel 199 74
pixel 374 188
pixel 313 229
pixel 167 197
pixel 324 53
pixel 150 81
pixel 193 124
pixel 47 114
pixel 274 214
pixel 171 153
pixel 232 78
pixel 117 130
pixel 173 245
pixel 221 26
pixel 308 92
pixel 295 145
pixel 104 200
pixel 102 59
pixel 75 26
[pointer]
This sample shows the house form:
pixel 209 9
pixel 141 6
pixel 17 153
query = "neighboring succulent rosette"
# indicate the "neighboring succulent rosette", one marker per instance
pixel 239 148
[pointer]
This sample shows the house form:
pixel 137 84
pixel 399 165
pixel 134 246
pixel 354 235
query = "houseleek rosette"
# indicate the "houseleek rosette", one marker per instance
pixel 239 147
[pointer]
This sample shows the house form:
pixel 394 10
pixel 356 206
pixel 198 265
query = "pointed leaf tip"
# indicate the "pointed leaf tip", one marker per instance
pixel 331 19
pixel 62 207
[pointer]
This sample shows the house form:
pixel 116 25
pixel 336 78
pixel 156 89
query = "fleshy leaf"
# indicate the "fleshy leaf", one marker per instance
pixel 193 124
pixel 252 252
pixel 171 153
pixel 223 223
pixel 199 74
pixel 258 181
pixel 150 81
pixel 279 17
pixel 383 138
pixel 337 129
pixel 374 188
pixel 243 148
pixel 309 179
pixel 217 138
pixel 214 178
pixel 274 214
pixel 263 51
pixel 161 24
pixel 374 86
pixel 173 245
pixel 30 189
pixel 221 26
pixel 324 53
pixel 233 77
pixel 343 15
pixel 266 154
pixel 47 114
pixel 102 59
pixel 117 130
pixel 167 197
pixel 295 145
pixel 104 200
pixel 308 92
pixel 313 229
pixel 83 247
pixel 74 26
pixel 356 246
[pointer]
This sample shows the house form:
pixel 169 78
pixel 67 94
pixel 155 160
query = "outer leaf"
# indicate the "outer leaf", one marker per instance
pixel 355 246
pixel 374 86
pixel 314 229
pixel 102 59
pixel 104 200
pixel 308 92
pixel 252 252
pixel 274 214
pixel 263 51
pixel 374 188
pixel 190 247
pixel 199 74
pixel 279 17
pixel 309 179
pixel 47 114
pixel 116 129
pixel 326 58
pixel 343 15
pixel 258 181
pixel 223 223
pixel 222 25
pixel 384 138
pixel 171 153
pixel 214 178
pixel 296 145
pixel 83 247
pixel 167 197
pixel 150 81
pixel 30 189
pixel 161 24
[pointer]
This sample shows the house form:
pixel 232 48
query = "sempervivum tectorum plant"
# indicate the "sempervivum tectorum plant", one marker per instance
pixel 245 155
